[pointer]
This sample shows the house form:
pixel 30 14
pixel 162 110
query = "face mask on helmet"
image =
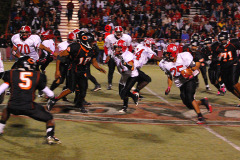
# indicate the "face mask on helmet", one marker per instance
pixel 172 51
pixel 149 42
pixel 119 47
pixel 25 32
pixel 45 35
pixel 223 37
pixel 208 41
pixel 26 63
pixel 195 37
pixel 87 40
pixel 118 32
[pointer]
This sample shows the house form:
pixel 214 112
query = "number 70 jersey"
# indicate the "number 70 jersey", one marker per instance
pixel 29 47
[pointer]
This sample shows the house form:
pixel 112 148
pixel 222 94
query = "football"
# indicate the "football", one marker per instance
pixel 187 73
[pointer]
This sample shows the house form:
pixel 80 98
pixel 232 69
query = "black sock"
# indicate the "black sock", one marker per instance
pixel 54 85
pixel 3 122
pixel 199 115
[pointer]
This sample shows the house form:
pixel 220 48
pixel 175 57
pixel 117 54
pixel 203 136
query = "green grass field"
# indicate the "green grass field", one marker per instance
pixel 24 138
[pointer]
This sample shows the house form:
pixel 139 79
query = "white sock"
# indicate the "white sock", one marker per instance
pixel 1 127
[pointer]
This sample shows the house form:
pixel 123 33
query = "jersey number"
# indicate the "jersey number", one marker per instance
pixel 26 81
pixel 139 53
pixel 24 48
pixel 83 62
pixel 224 56
pixel 176 69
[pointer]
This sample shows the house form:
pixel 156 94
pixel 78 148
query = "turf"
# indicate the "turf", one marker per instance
pixel 24 137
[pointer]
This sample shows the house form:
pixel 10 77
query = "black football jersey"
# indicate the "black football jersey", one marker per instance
pixel 79 57
pixel 206 53
pixel 227 55
pixel 23 85
pixel 197 56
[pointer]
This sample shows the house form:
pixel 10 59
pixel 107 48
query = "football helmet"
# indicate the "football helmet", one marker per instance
pixel 208 41
pixel 222 36
pixel 195 36
pixel 194 43
pixel 71 37
pixel 25 32
pixel 171 52
pixel 149 42
pixel 118 32
pixel 86 39
pixel 76 31
pixel 45 35
pixel 120 46
pixel 26 63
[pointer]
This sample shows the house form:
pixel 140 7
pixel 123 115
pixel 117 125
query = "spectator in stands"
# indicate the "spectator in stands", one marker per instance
pixel 70 7
pixel 3 47
pixel 100 44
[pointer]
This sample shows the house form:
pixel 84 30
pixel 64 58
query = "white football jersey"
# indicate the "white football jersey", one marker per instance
pixel 29 47
pixel 63 46
pixel 120 61
pixel 110 40
pixel 143 54
pixel 49 44
pixel 183 61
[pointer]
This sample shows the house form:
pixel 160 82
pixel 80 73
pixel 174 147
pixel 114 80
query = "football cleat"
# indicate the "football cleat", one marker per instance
pixel 201 120
pixel 2 128
pixel 123 109
pixel 206 104
pixel 82 109
pixel 223 90
pixel 86 103
pixel 97 88
pixel 109 87
pixel 135 97
pixel 65 99
pixel 8 92
pixel 53 140
pixel 141 97
pixel 208 89
pixel 51 102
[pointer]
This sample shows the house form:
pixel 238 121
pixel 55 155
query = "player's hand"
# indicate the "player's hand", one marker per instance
pixel 41 61
pixel 102 70
pixel 107 59
pixel 57 74
pixel 167 91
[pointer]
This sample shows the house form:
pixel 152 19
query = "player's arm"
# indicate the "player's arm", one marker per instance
pixel 169 82
pixel 64 53
pixel 41 46
pixel 156 58
pixel 15 53
pixel 95 64
pixel 57 72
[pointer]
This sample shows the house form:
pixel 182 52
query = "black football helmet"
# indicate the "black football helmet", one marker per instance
pixel 208 41
pixel 86 39
pixel 194 43
pixel 195 37
pixel 26 63
pixel 222 36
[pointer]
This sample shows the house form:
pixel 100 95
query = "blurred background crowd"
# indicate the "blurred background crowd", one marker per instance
pixel 164 20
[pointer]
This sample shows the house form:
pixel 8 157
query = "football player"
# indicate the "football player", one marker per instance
pixel 27 44
pixel 24 80
pixel 200 62
pixel 80 54
pixel 45 57
pixel 125 63
pixel 108 50
pixel 180 68
pixel 143 53
pixel 228 62
pixel 211 60
pixel 62 63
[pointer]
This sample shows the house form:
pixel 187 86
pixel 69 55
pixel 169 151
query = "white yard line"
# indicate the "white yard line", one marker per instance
pixel 222 138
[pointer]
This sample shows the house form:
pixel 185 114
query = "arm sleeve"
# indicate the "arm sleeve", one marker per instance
pixel 37 40
pixel 48 92
pixel 3 87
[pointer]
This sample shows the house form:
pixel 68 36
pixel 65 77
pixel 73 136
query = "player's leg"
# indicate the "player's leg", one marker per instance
pixel 40 114
pixel 143 80
pixel 82 83
pixel 93 80
pixel 111 68
pixel 4 118
pixel 203 70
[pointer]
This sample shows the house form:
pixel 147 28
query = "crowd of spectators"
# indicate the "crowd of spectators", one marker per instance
pixel 160 19
pixel 40 15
